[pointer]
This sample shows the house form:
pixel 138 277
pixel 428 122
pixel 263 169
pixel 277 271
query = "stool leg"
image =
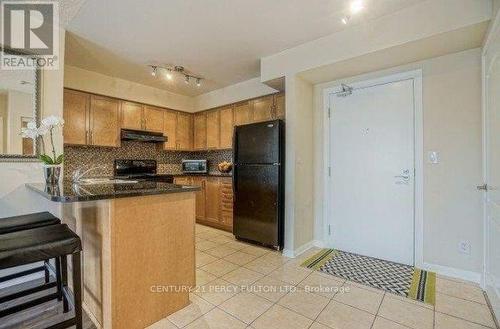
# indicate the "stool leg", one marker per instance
pixel 77 287
pixel 46 270
pixel 64 279
pixel 58 279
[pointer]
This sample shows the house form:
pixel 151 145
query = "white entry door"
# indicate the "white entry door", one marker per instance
pixel 372 171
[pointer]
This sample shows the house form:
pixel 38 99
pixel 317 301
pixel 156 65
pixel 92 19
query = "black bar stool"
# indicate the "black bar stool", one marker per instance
pixel 26 222
pixel 38 244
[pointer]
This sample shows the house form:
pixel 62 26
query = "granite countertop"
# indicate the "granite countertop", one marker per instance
pixel 68 191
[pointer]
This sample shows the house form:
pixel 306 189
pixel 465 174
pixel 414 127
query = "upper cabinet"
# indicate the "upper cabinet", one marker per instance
pixel 104 121
pixel 170 130
pixel 91 119
pixel 213 129
pixel 226 127
pixel 242 115
pixel 131 115
pixel 262 108
pixel 279 106
pixel 184 131
pixel 76 117
pixel 200 131
pixel 153 119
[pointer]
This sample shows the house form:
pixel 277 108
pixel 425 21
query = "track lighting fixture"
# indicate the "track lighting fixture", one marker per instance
pixel 177 70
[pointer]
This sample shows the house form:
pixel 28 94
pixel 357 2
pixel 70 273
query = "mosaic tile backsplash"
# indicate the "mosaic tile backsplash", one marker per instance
pixel 102 158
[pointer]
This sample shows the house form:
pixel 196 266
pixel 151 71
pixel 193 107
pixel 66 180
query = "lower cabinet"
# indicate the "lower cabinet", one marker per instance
pixel 214 201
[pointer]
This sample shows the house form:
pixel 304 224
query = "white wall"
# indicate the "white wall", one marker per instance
pixel 240 91
pixel 84 80
pixel 452 126
pixel 423 20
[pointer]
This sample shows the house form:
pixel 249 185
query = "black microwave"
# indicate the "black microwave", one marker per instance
pixel 194 166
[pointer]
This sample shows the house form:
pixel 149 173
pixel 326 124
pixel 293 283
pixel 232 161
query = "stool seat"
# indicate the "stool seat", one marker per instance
pixel 38 244
pixel 26 222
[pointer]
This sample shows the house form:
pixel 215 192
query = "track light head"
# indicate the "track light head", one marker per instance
pixel 154 69
pixel 186 80
pixel 198 82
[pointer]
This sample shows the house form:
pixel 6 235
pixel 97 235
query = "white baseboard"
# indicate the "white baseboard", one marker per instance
pixel 453 272
pixel 300 250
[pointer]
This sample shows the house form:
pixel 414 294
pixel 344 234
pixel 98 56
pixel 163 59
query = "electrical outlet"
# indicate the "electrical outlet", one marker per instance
pixel 464 247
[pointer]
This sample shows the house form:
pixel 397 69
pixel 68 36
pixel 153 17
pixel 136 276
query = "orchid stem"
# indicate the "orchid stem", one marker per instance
pixel 52 143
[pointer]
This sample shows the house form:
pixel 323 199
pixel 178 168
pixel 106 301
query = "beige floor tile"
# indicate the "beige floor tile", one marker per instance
pixel 162 324
pixel 264 266
pixel 203 258
pixel 364 286
pixel 406 313
pixel 381 323
pixel 444 321
pixel 322 284
pixel 317 325
pixel 290 274
pixel 219 267
pixel 242 276
pixel 221 239
pixel 238 245
pixel 217 292
pixel 280 318
pixel 240 258
pixel 205 245
pixel 217 319
pixel 304 303
pixel 193 311
pixel 271 289
pixel 276 257
pixel 464 309
pixel 246 307
pixel 203 277
pixel 340 316
pixel 366 300
pixel 255 250
pixel 460 290
pixel 221 251
pixel 198 239
pixel 208 234
pixel 409 300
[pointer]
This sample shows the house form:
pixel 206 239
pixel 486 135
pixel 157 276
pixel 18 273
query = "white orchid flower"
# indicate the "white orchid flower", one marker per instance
pixel 53 121
pixel 29 132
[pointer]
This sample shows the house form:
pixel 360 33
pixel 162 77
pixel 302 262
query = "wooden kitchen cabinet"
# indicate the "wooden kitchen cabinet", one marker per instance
pixel 212 199
pixel 262 108
pixel 200 196
pixel 279 106
pixel 226 202
pixel 170 130
pixel 213 129
pixel 226 127
pixel 153 119
pixel 242 115
pixel 200 131
pixel 131 115
pixel 104 121
pixel 184 134
pixel 90 119
pixel 76 117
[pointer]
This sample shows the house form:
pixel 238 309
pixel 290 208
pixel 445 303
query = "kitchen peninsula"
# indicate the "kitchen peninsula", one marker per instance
pixel 137 236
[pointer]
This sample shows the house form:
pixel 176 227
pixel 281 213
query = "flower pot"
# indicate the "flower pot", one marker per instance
pixel 52 174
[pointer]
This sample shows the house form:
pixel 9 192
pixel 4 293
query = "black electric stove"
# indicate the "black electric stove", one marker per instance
pixel 144 170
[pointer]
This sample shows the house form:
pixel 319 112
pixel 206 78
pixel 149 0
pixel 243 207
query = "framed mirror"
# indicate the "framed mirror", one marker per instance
pixel 19 105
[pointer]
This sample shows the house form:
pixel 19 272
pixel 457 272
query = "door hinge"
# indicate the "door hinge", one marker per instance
pixel 329 171
pixel 329 229
pixel 329 113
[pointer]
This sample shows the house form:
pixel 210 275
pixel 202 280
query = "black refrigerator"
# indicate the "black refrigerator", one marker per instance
pixel 258 182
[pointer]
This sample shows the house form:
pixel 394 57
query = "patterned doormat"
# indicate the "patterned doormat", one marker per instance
pixel 399 279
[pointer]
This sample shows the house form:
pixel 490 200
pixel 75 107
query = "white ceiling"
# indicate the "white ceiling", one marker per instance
pixel 220 40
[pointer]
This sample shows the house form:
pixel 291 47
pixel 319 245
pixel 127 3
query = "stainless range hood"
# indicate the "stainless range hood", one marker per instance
pixel 142 136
